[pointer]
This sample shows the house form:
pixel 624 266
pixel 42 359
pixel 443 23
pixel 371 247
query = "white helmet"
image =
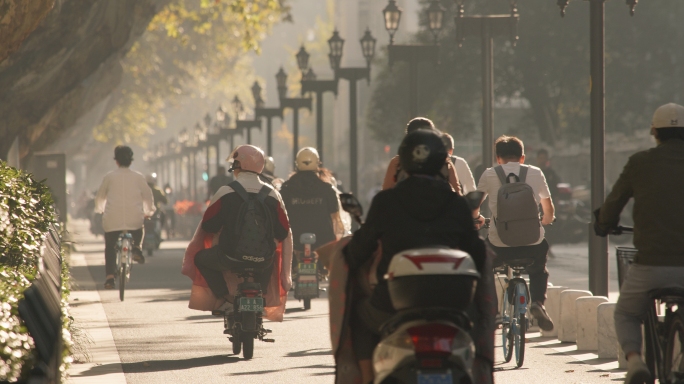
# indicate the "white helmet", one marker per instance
pixel 151 178
pixel 269 166
pixel 307 159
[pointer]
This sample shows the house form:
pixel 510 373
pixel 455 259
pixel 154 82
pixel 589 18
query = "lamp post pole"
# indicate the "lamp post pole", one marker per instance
pixel 413 55
pixel 260 111
pixel 319 87
pixel 295 103
pixel 598 246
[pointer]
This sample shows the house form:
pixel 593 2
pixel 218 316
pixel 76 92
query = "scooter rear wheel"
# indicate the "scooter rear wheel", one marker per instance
pixel 307 304
pixel 237 344
pixel 248 347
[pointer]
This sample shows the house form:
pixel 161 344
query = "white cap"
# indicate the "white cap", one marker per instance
pixel 668 116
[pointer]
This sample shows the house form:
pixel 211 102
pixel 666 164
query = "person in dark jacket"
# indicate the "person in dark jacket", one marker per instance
pixel 422 210
pixel 655 179
pixel 220 180
pixel 312 204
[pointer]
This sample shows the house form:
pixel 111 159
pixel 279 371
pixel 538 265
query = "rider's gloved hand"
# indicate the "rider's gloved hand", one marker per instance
pixel 598 230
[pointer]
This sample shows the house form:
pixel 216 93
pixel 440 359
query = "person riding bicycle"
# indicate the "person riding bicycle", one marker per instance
pixel 222 217
pixel 268 175
pixel 159 196
pixel 465 176
pixel 395 173
pixel 420 211
pixel 655 179
pixel 312 204
pixel 125 200
pixel 510 155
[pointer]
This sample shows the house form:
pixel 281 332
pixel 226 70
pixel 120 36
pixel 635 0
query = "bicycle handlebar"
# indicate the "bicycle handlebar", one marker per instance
pixel 621 230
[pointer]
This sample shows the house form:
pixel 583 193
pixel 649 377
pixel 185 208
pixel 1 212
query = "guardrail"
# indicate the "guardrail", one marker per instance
pixel 41 311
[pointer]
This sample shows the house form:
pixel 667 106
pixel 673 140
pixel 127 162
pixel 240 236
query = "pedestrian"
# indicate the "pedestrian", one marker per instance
pixel 522 237
pixel 465 176
pixel 124 199
pixel 221 179
pixel 655 179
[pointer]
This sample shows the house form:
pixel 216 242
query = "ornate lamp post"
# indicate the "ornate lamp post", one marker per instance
pixel 240 123
pixel 487 27
pixel 173 149
pixel 260 111
pixel 183 140
pixel 296 103
pixel 598 246
pixel 353 75
pixel 311 84
pixel 413 54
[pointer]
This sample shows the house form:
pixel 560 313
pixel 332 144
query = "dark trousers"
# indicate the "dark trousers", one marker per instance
pixel 539 275
pixel 212 262
pixel 110 247
pixel 365 325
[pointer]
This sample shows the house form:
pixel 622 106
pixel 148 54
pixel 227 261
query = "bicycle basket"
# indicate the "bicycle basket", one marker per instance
pixel 625 258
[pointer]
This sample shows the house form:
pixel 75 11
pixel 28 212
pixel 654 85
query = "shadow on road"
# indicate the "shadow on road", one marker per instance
pixel 311 352
pixel 267 371
pixel 161 365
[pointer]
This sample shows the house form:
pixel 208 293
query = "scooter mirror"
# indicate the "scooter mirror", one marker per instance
pixel 307 238
pixel 475 199
pixel 352 205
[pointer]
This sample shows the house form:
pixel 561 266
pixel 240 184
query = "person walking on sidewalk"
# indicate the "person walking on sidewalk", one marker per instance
pixel 516 232
pixel 655 179
pixel 125 200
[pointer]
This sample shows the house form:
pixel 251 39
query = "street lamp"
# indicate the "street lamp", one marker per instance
pixel 435 18
pixel 392 14
pixel 487 27
pixel 269 113
pixel 353 75
pixel 311 84
pixel 412 54
pixel 598 246
pixel 295 103
pixel 242 124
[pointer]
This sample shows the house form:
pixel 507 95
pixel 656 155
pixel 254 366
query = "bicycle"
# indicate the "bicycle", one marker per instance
pixel 664 338
pixel 514 322
pixel 124 249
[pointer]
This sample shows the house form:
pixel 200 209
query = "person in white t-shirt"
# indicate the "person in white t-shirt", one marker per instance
pixel 465 176
pixel 510 154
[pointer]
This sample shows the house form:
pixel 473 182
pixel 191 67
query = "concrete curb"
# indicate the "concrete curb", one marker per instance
pixel 586 325
pixel 88 312
pixel 607 338
pixel 567 330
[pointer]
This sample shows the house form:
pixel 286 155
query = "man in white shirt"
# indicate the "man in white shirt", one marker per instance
pixel 510 154
pixel 125 199
pixel 465 176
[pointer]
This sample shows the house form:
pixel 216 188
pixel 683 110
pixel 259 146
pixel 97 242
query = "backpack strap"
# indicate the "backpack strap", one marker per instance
pixel 239 189
pixel 263 193
pixel 523 172
pixel 500 172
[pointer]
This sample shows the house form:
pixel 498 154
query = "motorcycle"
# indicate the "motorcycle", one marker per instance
pixel 153 227
pixel 428 340
pixel 245 322
pixel 306 277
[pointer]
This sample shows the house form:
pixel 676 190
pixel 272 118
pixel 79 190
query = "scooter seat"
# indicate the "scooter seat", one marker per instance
pixel 459 318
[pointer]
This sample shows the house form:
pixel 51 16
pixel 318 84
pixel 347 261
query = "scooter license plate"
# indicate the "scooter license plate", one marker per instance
pixel 435 378
pixel 251 304
pixel 307 269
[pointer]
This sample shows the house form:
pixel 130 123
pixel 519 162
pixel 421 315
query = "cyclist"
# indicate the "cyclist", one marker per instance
pixel 422 210
pixel 395 173
pixel 654 179
pixel 465 176
pixel 312 204
pixel 222 218
pixel 125 199
pixel 510 155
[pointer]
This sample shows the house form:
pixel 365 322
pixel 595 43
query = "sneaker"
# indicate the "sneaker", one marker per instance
pixel 223 309
pixel 637 371
pixel 543 319
pixel 109 284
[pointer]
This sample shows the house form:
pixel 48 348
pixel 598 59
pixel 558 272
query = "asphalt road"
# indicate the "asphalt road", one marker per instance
pixel 160 340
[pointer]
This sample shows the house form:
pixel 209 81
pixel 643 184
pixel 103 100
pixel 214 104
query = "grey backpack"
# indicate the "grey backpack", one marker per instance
pixel 517 220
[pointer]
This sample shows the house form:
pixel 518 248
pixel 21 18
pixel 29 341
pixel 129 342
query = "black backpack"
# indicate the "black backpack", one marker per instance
pixel 254 228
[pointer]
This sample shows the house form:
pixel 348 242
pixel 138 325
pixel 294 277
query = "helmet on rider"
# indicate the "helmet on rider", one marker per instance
pixel 422 152
pixel 123 155
pixel 246 158
pixel 151 178
pixel 307 159
pixel 420 123
pixel 269 166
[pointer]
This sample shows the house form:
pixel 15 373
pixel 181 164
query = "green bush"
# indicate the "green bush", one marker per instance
pixel 26 213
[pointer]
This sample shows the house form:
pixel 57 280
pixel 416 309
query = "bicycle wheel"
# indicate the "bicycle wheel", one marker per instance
pixel 674 351
pixel 122 281
pixel 519 339
pixel 506 321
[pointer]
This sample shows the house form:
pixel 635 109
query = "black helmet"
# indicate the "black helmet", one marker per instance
pixel 422 152
pixel 123 155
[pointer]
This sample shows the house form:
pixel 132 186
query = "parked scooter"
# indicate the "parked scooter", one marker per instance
pixel 153 228
pixel 306 278
pixel 428 339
